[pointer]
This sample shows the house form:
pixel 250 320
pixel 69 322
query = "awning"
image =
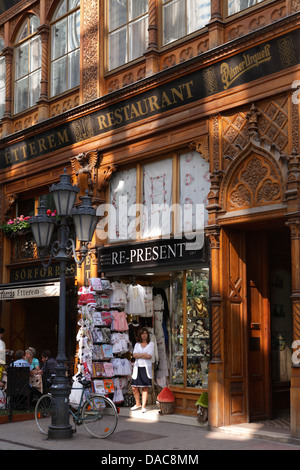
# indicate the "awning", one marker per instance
pixel 29 291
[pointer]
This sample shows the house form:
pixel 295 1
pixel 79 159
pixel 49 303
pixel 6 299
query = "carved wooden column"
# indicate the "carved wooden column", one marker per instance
pixel 216 24
pixel 44 32
pixel 293 199
pixel 90 60
pixel 216 373
pixel 151 54
pixel 6 120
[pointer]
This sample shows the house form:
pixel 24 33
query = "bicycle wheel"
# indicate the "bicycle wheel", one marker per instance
pixel 42 413
pixel 99 416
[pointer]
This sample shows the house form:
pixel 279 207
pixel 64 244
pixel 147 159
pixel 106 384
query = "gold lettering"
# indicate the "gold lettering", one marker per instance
pixel 153 103
pixel 51 141
pixel 42 145
pixel 119 116
pixel 110 118
pixel 101 122
pixel 32 148
pixel 140 108
pixel 15 152
pixel 23 149
pixel 188 88
pixel 177 93
pixel 7 157
pixel 165 100
pixel 29 274
pixel 62 137
pixel 134 111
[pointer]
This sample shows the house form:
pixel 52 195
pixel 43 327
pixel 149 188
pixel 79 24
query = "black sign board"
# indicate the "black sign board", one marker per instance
pixel 39 273
pixel 162 253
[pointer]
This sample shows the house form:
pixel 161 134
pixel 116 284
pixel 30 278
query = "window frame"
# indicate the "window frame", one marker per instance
pixel 126 26
pixel 29 74
pixel 65 56
pixel 163 4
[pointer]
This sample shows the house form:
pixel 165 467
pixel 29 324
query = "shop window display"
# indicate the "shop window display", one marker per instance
pixel 190 329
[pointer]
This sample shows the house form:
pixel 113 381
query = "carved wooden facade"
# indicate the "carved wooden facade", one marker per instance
pixel 249 133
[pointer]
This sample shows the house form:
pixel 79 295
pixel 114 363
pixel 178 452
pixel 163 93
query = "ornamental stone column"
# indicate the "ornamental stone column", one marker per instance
pixel 43 111
pixel 8 53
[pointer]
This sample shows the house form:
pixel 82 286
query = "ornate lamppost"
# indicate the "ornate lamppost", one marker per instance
pixel 85 221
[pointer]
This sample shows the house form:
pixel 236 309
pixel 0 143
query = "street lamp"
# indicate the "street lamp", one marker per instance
pixel 85 221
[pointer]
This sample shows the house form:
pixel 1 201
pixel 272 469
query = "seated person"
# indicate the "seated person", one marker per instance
pixel 35 379
pixel 20 360
pixel 48 369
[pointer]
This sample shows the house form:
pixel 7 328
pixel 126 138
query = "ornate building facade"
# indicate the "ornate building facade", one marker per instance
pixel 104 88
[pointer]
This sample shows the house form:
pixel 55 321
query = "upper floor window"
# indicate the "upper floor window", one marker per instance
pixel 182 17
pixel 235 6
pixel 65 47
pixel 2 79
pixel 27 65
pixel 128 31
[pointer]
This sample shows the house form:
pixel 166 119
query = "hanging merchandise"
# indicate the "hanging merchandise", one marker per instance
pixel 103 337
pixel 136 300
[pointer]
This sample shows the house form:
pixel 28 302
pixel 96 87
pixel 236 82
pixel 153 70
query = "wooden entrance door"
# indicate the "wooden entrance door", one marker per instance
pixel 258 313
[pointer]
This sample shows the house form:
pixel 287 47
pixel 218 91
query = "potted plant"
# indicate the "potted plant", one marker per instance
pixel 20 225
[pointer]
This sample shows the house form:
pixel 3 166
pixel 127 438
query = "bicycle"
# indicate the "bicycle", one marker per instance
pixel 96 412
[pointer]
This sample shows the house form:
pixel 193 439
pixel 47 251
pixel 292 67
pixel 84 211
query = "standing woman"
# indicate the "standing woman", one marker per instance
pixel 142 369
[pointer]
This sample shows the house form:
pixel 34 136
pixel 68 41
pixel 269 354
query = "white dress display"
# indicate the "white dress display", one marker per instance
pixel 136 300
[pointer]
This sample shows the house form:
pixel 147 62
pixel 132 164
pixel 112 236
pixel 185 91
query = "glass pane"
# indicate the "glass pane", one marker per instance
pixel 23 31
pixel 137 8
pixel 61 10
pixel 138 38
pixel 197 328
pixel 117 48
pixel 22 57
pixel 34 87
pixel 157 198
pixel 237 5
pixel 21 95
pixel 73 4
pixel 2 102
pixel 198 14
pixel 73 69
pixel 1 44
pixel 35 53
pixel 74 31
pixel 59 39
pixel 117 13
pixel 173 21
pixel 59 76
pixel 194 186
pixel 177 332
pixel 33 24
pixel 122 198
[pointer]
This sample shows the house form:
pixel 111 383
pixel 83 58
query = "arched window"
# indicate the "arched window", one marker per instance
pixel 183 17
pixel 27 65
pixel 65 47
pixel 2 79
pixel 128 31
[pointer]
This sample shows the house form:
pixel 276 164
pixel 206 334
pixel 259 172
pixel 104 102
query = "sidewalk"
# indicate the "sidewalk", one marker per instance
pixel 150 432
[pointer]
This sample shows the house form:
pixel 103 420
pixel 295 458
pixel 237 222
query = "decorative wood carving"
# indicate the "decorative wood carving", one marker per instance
pixel 255 183
pixel 10 202
pixel 84 166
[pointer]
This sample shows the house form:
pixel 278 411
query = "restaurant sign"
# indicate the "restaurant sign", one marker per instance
pixel 26 292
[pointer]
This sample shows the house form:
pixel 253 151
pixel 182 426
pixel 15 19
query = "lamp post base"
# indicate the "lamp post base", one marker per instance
pixel 60 427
